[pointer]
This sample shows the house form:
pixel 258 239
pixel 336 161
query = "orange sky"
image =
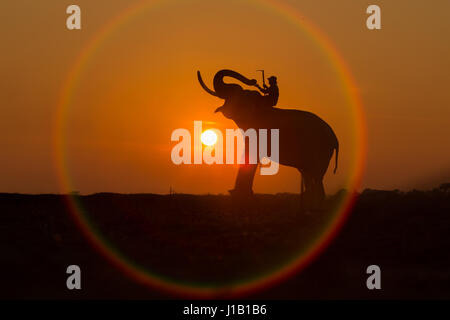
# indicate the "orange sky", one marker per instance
pixel 141 84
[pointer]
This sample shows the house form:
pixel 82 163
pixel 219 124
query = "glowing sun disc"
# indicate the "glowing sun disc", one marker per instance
pixel 209 138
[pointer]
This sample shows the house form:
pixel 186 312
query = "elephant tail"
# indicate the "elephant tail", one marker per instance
pixel 336 147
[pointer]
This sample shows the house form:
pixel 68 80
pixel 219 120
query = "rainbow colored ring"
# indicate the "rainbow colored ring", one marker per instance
pixel 145 276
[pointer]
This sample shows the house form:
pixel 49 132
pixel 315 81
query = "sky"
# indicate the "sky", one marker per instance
pixel 139 84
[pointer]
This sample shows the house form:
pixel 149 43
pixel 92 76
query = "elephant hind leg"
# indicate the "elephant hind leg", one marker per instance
pixel 307 191
pixel 320 191
pixel 314 193
pixel 319 173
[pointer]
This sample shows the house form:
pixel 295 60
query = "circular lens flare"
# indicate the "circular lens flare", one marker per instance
pixel 151 278
pixel 209 138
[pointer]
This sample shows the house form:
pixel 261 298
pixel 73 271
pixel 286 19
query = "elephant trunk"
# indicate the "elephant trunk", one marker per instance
pixel 224 90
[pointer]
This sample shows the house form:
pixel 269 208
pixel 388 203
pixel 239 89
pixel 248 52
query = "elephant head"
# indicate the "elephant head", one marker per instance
pixel 238 101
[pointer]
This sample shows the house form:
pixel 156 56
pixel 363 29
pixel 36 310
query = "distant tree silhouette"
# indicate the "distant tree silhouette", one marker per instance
pixel 445 187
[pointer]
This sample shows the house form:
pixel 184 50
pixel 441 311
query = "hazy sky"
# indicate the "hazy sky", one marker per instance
pixel 140 84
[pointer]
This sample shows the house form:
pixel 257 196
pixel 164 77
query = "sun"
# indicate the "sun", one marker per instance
pixel 209 137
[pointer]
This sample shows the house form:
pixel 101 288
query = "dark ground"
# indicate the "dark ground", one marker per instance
pixel 211 239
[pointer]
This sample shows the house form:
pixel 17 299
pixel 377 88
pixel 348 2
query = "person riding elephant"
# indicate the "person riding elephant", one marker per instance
pixel 271 92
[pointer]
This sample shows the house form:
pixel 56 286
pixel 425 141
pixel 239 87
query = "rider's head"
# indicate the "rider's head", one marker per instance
pixel 272 80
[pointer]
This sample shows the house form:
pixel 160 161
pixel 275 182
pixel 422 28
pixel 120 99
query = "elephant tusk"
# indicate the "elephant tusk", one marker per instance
pixel 211 92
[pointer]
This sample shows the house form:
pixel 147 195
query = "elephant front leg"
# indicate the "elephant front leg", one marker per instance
pixel 244 180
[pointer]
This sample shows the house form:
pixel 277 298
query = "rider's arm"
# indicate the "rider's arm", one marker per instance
pixel 263 90
pixel 258 86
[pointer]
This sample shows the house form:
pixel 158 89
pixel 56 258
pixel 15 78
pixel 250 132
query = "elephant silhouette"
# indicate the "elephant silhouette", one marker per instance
pixel 306 142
